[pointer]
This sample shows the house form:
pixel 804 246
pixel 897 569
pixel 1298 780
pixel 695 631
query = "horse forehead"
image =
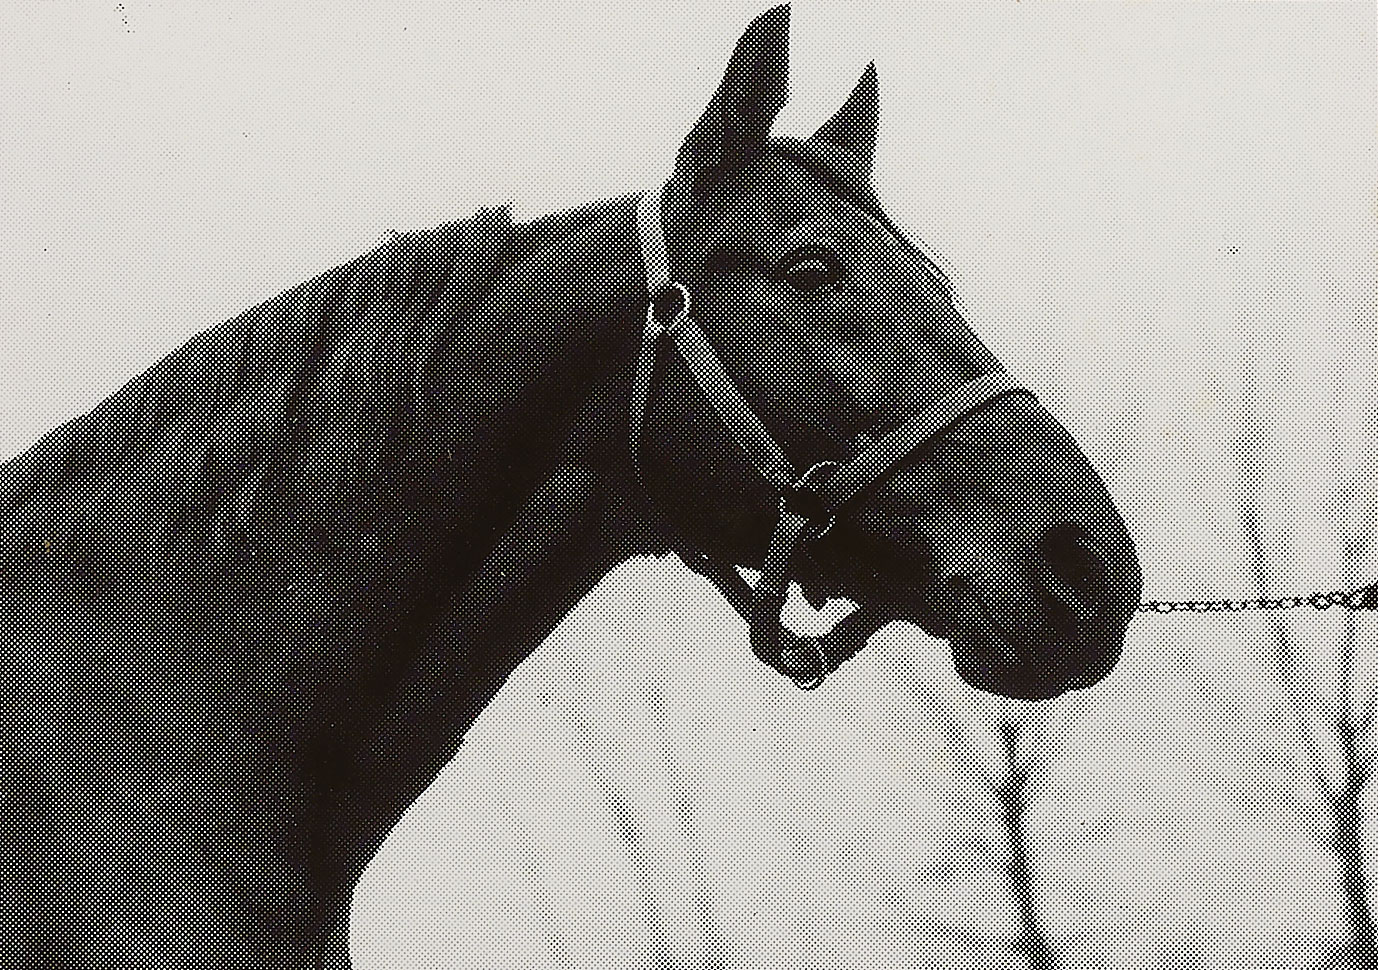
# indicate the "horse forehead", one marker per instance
pixel 778 193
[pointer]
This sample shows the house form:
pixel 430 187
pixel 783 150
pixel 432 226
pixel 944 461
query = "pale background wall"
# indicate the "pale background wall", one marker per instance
pixel 1084 169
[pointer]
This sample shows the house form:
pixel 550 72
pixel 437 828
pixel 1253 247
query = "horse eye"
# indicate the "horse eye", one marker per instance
pixel 807 272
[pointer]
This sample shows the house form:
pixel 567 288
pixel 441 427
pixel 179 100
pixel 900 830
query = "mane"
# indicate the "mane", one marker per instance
pixel 219 404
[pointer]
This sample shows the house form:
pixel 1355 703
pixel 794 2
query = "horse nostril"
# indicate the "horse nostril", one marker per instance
pixel 1072 570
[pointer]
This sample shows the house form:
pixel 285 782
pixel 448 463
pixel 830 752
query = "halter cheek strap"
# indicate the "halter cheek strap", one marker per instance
pixel 808 502
pixel 741 421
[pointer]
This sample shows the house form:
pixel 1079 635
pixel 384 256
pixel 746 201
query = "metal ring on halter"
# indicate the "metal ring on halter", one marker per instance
pixel 817 679
pixel 653 320
pixel 815 531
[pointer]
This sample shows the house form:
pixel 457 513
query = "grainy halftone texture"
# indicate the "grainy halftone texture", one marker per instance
pixel 190 578
pixel 250 605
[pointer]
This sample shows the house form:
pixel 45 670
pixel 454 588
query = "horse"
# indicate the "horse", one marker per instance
pixel 251 603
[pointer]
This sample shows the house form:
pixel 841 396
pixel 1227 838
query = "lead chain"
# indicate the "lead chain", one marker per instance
pixel 1363 598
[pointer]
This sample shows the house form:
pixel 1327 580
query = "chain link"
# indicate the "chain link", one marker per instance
pixel 1363 598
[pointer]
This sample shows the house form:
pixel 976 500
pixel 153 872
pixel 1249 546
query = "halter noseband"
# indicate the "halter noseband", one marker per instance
pixel 808 502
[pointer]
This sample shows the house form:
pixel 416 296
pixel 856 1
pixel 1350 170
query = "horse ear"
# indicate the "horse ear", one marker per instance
pixel 753 90
pixel 857 122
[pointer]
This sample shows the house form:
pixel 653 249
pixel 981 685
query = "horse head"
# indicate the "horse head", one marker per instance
pixel 994 531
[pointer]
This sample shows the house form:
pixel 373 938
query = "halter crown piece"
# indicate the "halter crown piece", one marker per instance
pixel 809 502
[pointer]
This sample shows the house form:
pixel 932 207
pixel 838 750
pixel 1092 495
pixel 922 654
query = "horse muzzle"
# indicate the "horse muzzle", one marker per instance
pixel 1057 626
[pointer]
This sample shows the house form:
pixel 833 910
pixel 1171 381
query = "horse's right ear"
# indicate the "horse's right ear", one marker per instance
pixel 753 90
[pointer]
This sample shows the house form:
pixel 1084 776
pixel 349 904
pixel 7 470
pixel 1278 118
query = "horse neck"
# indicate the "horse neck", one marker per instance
pixel 494 407
pixel 576 292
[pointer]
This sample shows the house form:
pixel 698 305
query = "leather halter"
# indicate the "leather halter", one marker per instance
pixel 809 502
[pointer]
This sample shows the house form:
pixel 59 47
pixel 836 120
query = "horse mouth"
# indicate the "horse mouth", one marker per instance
pixel 991 658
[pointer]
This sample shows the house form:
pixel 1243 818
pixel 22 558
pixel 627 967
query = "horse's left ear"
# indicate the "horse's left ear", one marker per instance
pixel 857 122
pixel 754 89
